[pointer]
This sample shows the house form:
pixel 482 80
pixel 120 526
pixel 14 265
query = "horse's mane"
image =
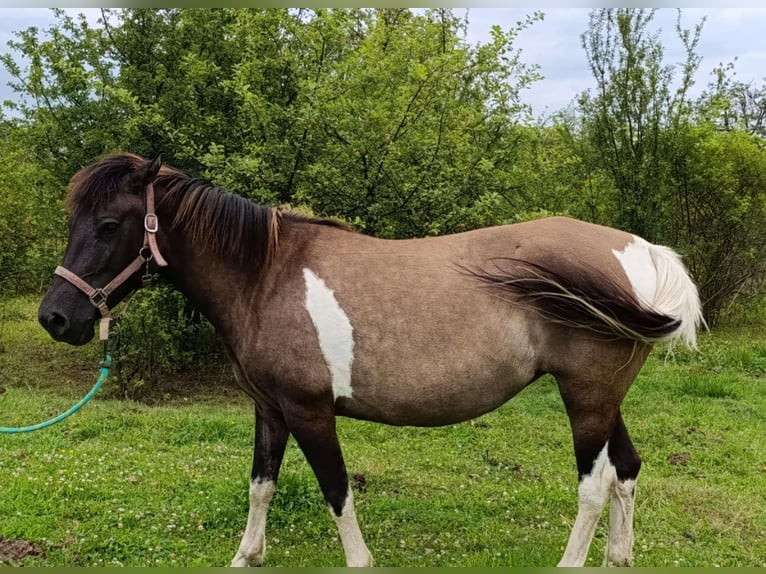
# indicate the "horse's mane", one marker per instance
pixel 229 224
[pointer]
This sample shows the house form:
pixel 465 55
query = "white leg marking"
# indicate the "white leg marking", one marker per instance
pixel 593 493
pixel 619 549
pixel 350 535
pixel 253 545
pixel 637 263
pixel 334 330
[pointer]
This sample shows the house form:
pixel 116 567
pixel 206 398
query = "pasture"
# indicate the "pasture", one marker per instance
pixel 166 484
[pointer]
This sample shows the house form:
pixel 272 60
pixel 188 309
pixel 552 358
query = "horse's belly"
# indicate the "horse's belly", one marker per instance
pixel 437 372
pixel 431 401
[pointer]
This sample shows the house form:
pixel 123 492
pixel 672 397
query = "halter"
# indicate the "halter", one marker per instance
pixel 149 250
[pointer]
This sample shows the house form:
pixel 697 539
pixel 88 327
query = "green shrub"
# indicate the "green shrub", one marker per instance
pixel 160 333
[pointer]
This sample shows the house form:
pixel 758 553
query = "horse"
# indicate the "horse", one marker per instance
pixel 320 321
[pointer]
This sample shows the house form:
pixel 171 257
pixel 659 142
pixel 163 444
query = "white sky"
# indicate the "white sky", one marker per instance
pixel 554 44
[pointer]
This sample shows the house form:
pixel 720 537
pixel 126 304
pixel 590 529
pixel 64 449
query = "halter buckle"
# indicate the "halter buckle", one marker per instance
pixel 151 223
pixel 98 298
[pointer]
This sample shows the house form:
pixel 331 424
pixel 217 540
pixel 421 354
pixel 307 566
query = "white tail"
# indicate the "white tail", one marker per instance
pixel 676 294
pixel 662 284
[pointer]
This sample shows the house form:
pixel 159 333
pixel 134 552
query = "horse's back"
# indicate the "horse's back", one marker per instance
pixel 553 241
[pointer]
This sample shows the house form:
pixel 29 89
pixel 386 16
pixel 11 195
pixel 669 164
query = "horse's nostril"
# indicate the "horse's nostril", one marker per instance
pixel 57 323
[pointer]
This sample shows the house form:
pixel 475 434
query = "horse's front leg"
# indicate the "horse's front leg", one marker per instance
pixel 270 440
pixel 316 436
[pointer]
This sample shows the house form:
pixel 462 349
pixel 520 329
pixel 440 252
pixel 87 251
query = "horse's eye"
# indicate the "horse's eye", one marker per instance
pixel 107 228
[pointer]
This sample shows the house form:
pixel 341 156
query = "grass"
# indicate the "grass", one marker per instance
pixel 133 484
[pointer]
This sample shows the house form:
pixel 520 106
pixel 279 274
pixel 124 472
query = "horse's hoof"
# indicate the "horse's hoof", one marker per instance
pixel 242 561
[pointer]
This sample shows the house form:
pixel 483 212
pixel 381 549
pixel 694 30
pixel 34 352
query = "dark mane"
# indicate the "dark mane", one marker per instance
pixel 229 224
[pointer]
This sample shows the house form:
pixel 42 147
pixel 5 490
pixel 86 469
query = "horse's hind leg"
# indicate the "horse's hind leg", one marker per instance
pixel 597 477
pixel 607 463
pixel 612 473
pixel 315 433
pixel 270 440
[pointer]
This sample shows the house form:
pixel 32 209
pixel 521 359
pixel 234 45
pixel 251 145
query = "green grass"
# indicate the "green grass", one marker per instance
pixel 128 483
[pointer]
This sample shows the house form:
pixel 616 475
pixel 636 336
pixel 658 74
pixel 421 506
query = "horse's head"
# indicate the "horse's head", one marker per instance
pixel 106 234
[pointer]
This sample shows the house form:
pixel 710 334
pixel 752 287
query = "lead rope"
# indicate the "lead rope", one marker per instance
pixel 104 366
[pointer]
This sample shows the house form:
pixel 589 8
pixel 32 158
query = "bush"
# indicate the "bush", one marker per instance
pixel 161 333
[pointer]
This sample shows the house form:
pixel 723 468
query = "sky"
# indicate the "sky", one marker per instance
pixel 553 44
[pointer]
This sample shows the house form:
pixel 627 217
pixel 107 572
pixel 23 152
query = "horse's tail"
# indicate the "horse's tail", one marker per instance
pixel 581 296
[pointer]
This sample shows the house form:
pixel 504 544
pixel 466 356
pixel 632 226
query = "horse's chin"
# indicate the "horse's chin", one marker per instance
pixel 85 337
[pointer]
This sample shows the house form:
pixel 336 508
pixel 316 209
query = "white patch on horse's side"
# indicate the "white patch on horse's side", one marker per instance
pixel 356 550
pixel 661 283
pixel 619 548
pixel 253 544
pixel 593 493
pixel 637 263
pixel 336 336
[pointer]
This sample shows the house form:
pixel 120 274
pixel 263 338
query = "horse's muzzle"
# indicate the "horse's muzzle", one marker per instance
pixel 62 329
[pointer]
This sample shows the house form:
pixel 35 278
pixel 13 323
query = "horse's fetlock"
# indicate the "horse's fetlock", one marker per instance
pixel 619 559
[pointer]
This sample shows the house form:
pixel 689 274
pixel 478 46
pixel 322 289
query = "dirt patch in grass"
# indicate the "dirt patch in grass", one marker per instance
pixel 16 550
pixel 360 482
pixel 679 459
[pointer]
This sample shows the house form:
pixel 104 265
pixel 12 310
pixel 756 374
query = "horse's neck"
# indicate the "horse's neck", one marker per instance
pixel 217 287
pixel 227 292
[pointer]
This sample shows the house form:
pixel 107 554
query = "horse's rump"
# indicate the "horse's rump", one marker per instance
pixel 640 292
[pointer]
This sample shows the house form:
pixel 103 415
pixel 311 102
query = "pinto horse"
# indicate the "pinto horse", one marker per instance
pixel 320 321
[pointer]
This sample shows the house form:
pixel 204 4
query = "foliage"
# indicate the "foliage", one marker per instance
pixel 718 214
pixel 415 127
pixel 734 105
pixel 662 167
pixel 160 333
pixel 31 220
pixel 628 122
pixel 387 117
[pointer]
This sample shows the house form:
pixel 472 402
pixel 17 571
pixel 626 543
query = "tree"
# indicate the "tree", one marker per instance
pixel 722 221
pixel 386 117
pixel 383 117
pixel 683 173
pixel 731 104
pixel 629 122
pixel 393 122
pixel 31 220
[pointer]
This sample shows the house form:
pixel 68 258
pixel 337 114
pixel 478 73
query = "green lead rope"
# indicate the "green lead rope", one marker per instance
pixel 103 373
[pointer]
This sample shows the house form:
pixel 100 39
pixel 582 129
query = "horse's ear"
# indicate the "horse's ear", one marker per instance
pixel 149 170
